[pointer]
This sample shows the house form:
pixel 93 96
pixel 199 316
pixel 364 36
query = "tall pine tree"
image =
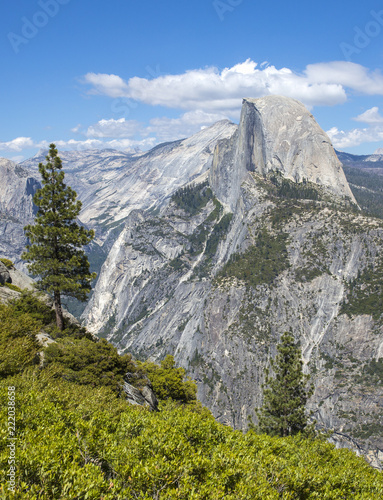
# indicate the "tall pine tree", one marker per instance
pixel 286 394
pixel 55 244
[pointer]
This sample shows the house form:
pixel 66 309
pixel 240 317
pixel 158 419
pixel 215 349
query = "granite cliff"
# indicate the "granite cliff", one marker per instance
pixel 18 186
pixel 269 239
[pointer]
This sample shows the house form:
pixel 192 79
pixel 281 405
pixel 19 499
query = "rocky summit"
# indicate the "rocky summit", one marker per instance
pixel 268 240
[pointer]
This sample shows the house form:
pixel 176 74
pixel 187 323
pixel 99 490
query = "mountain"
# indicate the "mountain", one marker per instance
pixel 365 177
pixel 111 183
pixel 17 188
pixel 269 240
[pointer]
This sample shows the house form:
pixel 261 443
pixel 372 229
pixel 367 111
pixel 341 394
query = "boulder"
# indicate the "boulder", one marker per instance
pixel 5 276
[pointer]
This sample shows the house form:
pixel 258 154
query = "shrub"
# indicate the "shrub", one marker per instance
pixel 7 263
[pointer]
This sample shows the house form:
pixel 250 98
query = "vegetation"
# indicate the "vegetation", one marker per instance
pixel 365 294
pixel 7 263
pixel 77 438
pixel 367 187
pixel 293 190
pixel 169 382
pixel 284 400
pixel 262 262
pixel 55 251
pixel 193 198
pixel 81 443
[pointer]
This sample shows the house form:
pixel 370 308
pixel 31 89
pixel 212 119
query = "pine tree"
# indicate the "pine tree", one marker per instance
pixel 55 240
pixel 286 394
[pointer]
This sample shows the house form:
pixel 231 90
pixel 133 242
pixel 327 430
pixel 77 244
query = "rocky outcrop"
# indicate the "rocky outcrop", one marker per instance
pixel 142 396
pixel 5 277
pixel 17 188
pixel 276 134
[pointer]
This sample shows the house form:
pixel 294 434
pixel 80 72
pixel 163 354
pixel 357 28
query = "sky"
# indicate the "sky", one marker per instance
pixel 126 74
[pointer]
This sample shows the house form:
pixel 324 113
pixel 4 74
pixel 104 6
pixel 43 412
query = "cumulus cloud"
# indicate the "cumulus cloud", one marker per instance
pixel 371 116
pixel 346 139
pixel 213 91
pixel 347 74
pixel 110 85
pixel 114 128
pixel 18 144
pixel 372 133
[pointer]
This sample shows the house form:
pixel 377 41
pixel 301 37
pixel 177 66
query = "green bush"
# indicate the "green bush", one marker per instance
pixel 7 263
pixel 13 287
pixel 169 381
pixel 18 343
pixel 75 442
pixel 87 362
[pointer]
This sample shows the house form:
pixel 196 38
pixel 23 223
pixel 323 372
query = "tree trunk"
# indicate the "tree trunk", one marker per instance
pixel 59 311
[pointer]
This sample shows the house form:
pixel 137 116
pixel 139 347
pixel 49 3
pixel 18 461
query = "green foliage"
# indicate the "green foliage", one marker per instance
pixel 76 442
pixel 55 251
pixel 7 263
pixel 18 343
pixel 193 198
pixel 262 262
pixel 88 362
pixel 293 190
pixel 365 295
pixel 374 371
pixel 13 287
pixel 283 410
pixel 169 381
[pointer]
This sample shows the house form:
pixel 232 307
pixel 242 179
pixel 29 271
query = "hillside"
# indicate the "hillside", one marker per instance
pixel 76 432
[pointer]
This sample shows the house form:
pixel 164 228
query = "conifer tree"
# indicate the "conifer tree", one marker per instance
pixel 55 244
pixel 286 394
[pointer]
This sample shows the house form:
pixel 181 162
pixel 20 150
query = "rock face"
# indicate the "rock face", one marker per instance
pixel 5 277
pixel 221 272
pixel 111 184
pixel 276 134
pixel 17 188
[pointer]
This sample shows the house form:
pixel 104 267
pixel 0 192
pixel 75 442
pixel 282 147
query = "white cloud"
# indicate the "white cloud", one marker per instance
pixel 347 74
pixel 355 137
pixel 373 133
pixel 76 129
pixel 219 92
pixel 17 144
pixel 370 116
pixel 114 128
pixel 110 85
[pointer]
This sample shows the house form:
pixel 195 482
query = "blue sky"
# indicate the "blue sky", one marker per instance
pixel 124 74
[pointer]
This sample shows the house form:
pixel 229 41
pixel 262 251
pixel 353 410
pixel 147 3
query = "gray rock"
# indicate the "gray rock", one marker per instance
pixel 5 277
pixel 276 133
pixel 17 187
pixel 140 397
